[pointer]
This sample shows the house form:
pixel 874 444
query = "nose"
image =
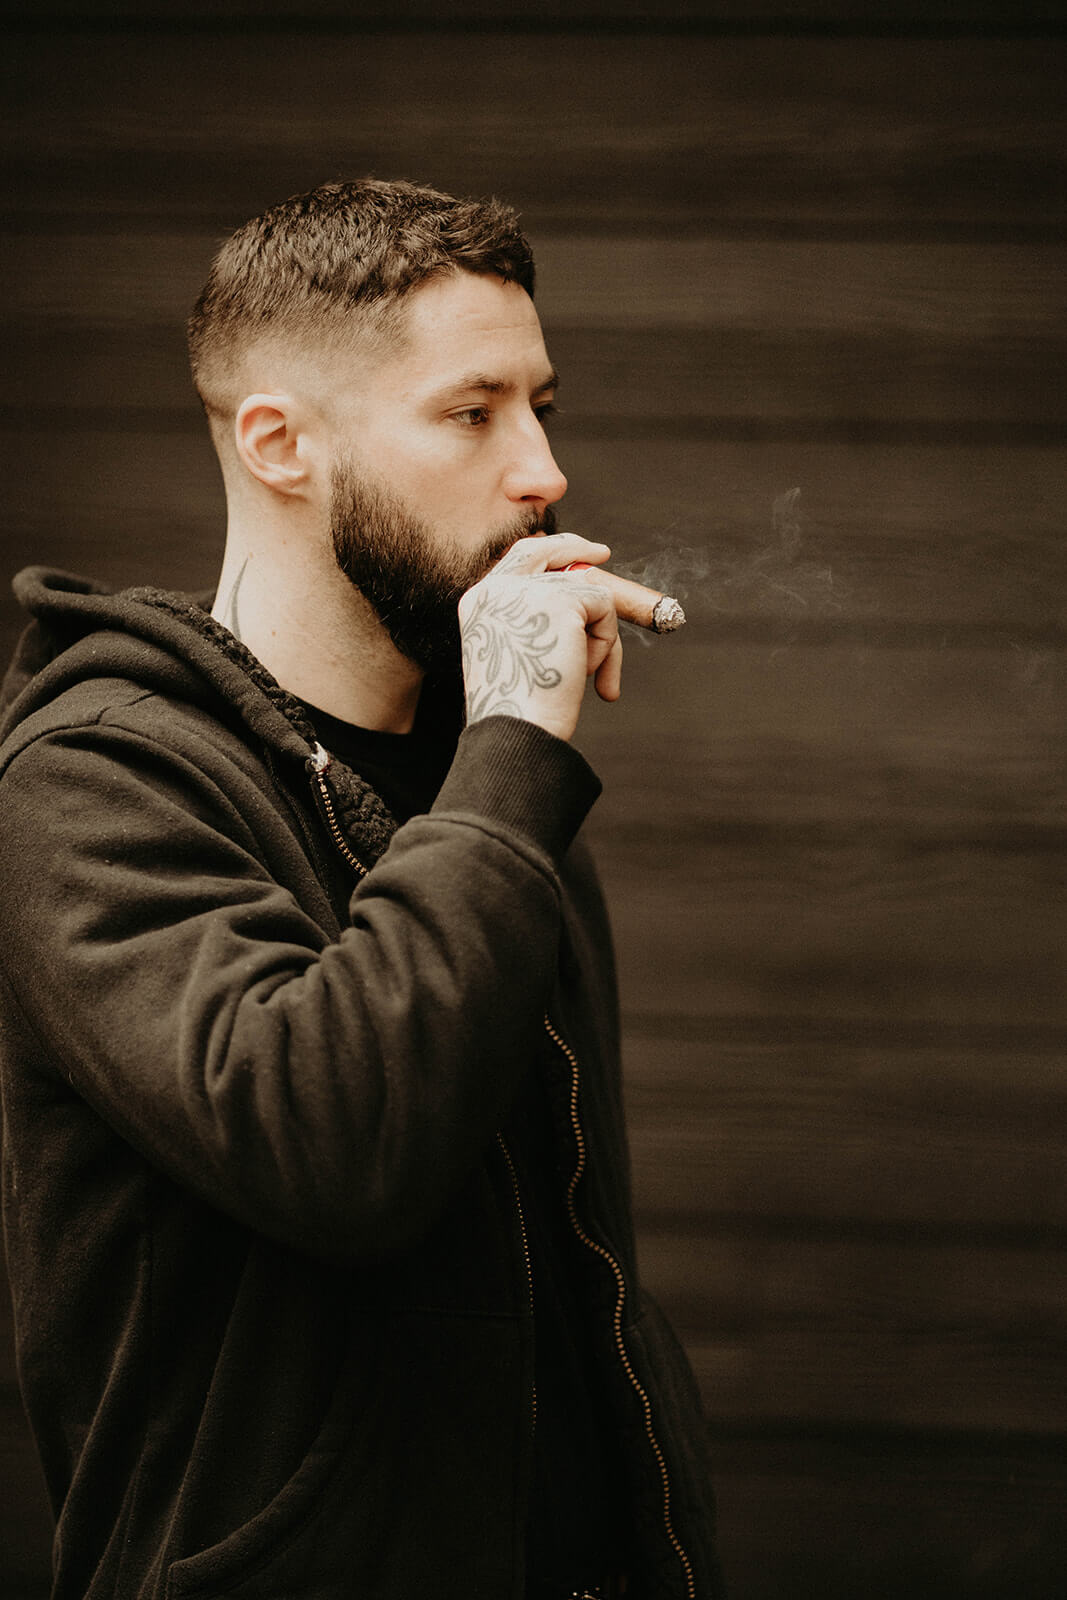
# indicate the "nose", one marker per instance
pixel 532 476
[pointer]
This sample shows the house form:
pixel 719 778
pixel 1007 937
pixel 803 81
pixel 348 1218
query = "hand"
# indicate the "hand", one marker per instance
pixel 533 634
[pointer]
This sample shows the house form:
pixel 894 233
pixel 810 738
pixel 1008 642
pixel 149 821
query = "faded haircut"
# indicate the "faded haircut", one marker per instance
pixel 342 256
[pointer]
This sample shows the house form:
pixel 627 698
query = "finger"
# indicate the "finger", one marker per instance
pixel 551 553
pixel 648 608
pixel 608 678
pixel 604 647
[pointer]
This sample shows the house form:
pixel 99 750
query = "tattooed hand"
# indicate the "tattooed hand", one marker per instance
pixel 532 635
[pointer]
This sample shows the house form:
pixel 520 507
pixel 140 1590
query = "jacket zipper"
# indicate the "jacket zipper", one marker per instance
pixel 319 763
pixel 525 1256
pixel 620 1301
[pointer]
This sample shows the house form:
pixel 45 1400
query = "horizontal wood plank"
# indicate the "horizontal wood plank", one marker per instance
pixel 774 743
pixel 883 1517
pixel 802 533
pixel 887 1140
pixel 797 926
pixel 840 1331
pixel 728 132
pixel 640 16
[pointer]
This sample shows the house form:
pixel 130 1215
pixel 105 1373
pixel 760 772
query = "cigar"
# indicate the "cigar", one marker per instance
pixel 660 613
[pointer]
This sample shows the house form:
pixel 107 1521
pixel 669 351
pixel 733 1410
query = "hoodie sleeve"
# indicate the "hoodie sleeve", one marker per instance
pixel 329 1092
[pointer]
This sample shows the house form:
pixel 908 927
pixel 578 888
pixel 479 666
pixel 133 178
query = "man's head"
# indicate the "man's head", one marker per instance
pixel 332 267
pixel 370 354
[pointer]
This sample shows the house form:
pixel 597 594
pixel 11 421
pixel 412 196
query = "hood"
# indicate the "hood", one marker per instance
pixel 170 644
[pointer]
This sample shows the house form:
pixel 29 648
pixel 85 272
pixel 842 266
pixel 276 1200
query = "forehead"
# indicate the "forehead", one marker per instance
pixel 467 321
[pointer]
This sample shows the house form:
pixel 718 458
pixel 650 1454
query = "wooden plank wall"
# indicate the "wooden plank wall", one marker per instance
pixel 795 245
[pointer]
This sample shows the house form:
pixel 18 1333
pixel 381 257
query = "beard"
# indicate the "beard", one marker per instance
pixel 412 584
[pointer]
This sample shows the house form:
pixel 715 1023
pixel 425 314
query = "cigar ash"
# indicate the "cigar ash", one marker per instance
pixel 667 615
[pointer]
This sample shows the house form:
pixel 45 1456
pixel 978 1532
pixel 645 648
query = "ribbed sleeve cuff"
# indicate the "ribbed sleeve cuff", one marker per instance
pixel 515 774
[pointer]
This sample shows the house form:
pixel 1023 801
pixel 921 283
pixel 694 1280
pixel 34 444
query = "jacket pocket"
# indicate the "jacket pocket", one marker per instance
pixel 422 1491
pixel 249 1550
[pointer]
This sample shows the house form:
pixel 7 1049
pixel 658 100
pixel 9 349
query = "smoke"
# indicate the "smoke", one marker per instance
pixel 768 575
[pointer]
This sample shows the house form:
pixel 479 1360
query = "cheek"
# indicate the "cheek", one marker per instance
pixel 444 475
pixel 424 464
pixel 453 490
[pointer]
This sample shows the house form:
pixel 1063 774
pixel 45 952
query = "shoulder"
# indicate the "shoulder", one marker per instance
pixel 110 749
pixel 112 712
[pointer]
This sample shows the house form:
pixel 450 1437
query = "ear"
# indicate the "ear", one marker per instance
pixel 270 437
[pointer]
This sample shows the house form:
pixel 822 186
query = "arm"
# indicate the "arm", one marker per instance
pixel 330 1094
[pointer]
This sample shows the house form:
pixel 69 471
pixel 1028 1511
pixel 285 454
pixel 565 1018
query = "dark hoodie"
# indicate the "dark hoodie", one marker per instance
pixel 263 1181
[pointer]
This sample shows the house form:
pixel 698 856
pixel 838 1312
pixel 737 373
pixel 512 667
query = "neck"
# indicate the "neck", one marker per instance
pixel 296 611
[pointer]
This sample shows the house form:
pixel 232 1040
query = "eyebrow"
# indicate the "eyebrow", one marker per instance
pixel 482 383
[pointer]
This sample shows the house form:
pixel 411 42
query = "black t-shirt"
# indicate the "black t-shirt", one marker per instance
pixel 576 1526
pixel 405 769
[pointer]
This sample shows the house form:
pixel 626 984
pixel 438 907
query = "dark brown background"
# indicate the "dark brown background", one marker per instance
pixel 783 244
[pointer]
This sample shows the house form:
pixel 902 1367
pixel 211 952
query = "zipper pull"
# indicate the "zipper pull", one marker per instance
pixel 320 760
pixel 318 765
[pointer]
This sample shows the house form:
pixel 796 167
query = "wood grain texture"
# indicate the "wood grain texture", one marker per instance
pixel 888 930
pixel 840 1331
pixel 882 1141
pixel 730 133
pixel 887 1517
pixel 643 16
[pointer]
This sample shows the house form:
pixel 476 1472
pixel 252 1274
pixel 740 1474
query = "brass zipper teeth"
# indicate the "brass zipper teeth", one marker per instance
pixel 620 1342
pixel 525 1253
pixel 334 826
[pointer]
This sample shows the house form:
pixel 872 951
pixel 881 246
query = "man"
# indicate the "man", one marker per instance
pixel 316 1189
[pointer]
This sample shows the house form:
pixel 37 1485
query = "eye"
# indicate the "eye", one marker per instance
pixel 544 412
pixel 472 417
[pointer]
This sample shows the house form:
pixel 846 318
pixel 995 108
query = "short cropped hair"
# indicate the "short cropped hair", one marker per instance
pixel 343 248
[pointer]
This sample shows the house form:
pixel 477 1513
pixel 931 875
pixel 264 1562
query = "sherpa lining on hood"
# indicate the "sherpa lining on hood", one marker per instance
pixel 83 630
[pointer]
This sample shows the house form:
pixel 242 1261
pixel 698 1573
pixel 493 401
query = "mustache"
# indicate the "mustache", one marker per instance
pixel 547 522
pixel 524 527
